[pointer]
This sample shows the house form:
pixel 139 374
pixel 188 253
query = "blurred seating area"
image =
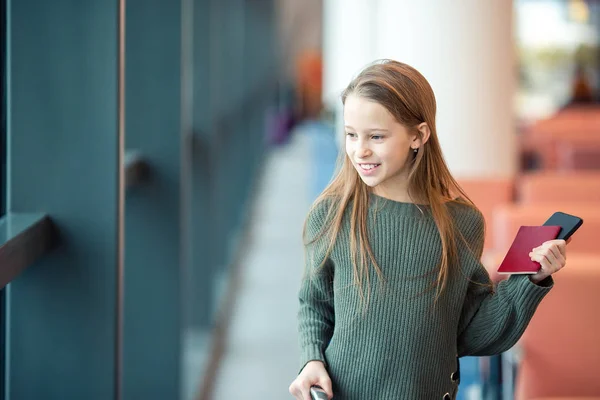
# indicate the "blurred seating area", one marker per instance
pixel 559 349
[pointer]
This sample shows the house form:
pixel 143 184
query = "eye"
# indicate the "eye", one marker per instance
pixel 377 137
pixel 350 134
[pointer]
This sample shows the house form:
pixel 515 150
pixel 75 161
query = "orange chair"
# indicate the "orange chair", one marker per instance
pixel 578 156
pixel 573 124
pixel 560 349
pixel 557 187
pixel 487 194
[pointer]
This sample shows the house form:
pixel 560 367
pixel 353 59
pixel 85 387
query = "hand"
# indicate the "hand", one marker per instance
pixel 552 256
pixel 313 374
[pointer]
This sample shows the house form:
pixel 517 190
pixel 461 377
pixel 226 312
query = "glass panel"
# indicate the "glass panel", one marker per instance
pixel 2 180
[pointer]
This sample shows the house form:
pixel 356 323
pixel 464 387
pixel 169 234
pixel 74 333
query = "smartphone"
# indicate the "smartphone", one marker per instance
pixel 568 223
pixel 316 393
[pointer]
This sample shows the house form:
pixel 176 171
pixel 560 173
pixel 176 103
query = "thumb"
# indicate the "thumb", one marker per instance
pixel 325 383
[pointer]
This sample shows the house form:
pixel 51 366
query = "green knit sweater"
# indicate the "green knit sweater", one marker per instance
pixel 406 346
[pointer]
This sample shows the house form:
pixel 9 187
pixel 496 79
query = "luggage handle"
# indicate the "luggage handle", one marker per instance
pixel 316 393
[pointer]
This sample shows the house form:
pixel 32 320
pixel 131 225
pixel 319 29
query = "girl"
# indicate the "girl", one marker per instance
pixel 395 291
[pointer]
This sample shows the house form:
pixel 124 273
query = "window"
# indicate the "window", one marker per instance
pixel 558 44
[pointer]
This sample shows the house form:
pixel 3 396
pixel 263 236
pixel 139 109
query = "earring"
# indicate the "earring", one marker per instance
pixel 416 149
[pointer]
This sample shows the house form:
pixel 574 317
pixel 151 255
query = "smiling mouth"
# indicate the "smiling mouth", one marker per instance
pixel 367 169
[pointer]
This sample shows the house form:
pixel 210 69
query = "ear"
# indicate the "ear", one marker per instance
pixel 422 136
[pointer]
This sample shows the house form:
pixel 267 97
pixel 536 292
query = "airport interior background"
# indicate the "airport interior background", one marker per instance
pixel 159 158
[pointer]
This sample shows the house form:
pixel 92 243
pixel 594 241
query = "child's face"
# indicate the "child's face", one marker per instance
pixel 378 146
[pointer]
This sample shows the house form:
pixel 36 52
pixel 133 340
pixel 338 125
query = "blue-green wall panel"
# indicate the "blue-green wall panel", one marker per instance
pixel 152 340
pixel 2 184
pixel 228 96
pixel 64 162
pixel 202 299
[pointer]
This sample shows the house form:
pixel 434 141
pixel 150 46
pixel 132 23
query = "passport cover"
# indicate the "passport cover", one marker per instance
pixel 517 260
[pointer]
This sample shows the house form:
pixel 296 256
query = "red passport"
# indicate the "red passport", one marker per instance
pixel 517 260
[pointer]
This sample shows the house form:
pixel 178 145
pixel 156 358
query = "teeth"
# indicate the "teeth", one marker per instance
pixel 369 166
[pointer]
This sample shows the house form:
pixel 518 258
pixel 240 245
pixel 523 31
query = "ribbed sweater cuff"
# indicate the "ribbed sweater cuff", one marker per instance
pixel 532 293
pixel 312 352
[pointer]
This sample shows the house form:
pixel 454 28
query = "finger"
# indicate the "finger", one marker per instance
pixel 325 384
pixel 545 266
pixel 538 258
pixel 551 253
pixel 295 391
pixel 559 259
pixel 305 386
pixel 539 255
pixel 300 393
pixel 555 249
pixel 300 390
pixel 560 244
pixel 562 247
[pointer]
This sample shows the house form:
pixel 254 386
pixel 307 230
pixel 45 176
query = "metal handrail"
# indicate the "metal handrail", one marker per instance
pixel 24 238
pixel 137 169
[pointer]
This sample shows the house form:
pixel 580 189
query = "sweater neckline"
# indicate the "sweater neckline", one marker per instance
pixel 380 203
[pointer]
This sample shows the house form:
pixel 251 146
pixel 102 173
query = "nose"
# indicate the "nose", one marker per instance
pixel 363 151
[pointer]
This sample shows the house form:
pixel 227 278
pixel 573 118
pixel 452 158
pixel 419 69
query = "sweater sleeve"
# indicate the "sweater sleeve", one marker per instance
pixel 316 313
pixel 494 318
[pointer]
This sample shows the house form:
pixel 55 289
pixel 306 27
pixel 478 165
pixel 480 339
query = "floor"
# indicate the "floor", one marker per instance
pixel 262 354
